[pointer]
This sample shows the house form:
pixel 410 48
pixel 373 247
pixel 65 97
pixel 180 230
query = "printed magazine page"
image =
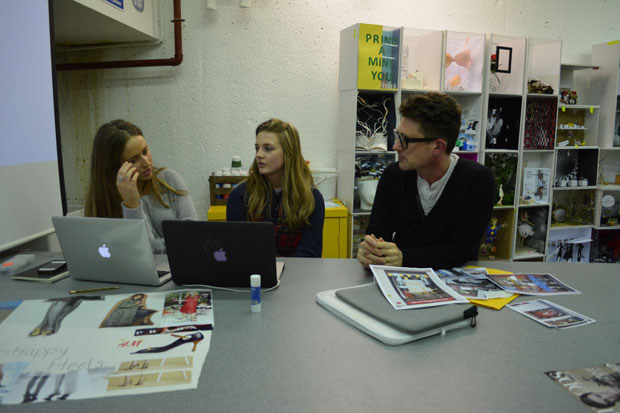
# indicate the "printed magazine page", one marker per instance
pixel 407 288
pixel 531 284
pixel 471 283
pixel 550 314
pixel 598 388
pixel 536 185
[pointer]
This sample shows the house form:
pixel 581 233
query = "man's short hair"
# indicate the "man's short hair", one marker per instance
pixel 438 114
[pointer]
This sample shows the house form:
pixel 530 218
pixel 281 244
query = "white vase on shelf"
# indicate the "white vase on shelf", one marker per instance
pixel 367 189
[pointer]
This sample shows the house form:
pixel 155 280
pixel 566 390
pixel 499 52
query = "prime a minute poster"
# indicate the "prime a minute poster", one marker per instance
pixel 378 57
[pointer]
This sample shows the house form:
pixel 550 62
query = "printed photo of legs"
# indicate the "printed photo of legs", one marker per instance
pixel 45 387
pixel 57 311
pixel 67 382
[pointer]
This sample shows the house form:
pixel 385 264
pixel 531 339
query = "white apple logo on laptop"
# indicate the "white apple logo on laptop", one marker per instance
pixel 104 251
pixel 220 255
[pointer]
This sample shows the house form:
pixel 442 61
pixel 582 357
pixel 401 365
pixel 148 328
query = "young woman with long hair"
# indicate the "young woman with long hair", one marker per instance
pixel 280 189
pixel 124 184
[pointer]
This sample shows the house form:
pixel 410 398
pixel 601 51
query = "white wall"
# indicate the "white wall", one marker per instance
pixel 276 59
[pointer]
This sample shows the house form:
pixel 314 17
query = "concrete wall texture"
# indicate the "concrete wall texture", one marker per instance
pixel 278 58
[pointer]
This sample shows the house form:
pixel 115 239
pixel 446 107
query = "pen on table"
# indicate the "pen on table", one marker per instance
pixel 93 290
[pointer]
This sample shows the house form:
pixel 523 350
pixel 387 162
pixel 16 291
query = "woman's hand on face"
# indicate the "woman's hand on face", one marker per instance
pixel 127 185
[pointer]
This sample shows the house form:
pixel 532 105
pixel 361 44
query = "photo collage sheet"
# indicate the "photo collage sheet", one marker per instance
pixel 87 346
pixel 540 310
pixel 409 288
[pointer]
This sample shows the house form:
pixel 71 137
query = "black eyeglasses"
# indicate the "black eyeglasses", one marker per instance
pixel 405 140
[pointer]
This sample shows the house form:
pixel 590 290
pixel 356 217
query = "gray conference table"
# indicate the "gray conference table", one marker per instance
pixel 296 356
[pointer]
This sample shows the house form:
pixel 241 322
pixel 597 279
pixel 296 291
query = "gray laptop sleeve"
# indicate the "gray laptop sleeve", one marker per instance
pixel 369 299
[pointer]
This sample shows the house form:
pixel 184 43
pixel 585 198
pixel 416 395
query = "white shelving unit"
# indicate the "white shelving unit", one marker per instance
pixel 522 80
pixel 576 161
pixel 368 82
pixel 607 237
pixel 526 99
pixel 423 66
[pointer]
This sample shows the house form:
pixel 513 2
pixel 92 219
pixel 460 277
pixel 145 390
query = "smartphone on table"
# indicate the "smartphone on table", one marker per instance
pixel 52 267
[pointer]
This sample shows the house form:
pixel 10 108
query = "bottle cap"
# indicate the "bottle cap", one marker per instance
pixel 255 280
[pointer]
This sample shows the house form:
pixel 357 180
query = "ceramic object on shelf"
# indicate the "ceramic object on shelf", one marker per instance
pixel 367 189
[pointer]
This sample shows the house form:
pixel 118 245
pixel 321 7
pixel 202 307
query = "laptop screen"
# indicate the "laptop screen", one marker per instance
pixel 220 254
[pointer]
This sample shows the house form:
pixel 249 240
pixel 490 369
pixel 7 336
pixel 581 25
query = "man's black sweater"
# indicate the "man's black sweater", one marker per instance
pixel 451 233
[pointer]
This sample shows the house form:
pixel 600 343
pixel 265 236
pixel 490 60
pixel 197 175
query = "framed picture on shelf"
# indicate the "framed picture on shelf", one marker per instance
pixel 535 185
pixel 503 60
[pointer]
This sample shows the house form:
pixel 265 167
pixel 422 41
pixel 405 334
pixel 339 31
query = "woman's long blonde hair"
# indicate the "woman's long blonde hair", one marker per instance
pixel 103 199
pixel 297 181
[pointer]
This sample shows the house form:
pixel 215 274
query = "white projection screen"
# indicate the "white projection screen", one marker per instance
pixel 31 188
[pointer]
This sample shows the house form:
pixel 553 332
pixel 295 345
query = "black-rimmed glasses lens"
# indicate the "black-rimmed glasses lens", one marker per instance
pixel 405 140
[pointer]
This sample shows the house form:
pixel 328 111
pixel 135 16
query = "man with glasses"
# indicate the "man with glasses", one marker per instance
pixel 432 207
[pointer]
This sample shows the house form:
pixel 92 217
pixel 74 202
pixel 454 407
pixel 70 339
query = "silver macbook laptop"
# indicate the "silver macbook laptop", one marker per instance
pixel 222 254
pixel 110 250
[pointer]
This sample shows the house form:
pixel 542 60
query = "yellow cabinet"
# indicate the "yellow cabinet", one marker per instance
pixel 334 228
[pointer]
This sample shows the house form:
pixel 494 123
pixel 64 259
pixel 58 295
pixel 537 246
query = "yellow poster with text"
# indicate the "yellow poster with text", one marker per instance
pixel 370 43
